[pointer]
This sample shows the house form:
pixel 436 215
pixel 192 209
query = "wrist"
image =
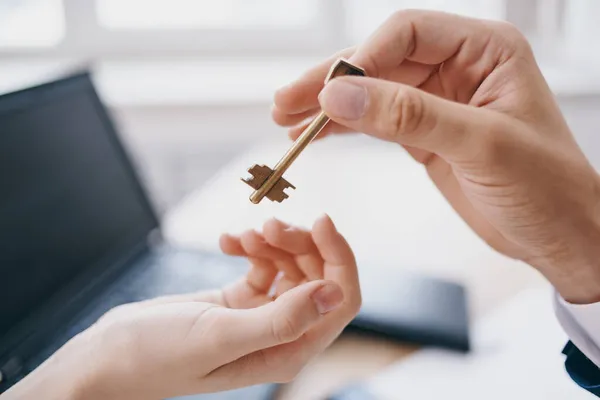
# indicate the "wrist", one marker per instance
pixel 579 285
pixel 80 367
pixel 64 376
pixel 574 267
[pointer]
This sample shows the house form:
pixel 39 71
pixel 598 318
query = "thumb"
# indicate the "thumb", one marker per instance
pixel 404 114
pixel 283 320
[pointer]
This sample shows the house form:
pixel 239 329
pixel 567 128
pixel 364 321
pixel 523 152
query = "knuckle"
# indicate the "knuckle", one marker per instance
pixel 273 233
pixel 405 114
pixel 284 329
pixel 493 143
pixel 508 30
pixel 511 36
pixel 407 14
pixel 251 242
pixel 409 18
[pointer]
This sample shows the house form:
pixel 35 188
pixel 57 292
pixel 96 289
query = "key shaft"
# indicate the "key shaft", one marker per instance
pixel 307 136
pixel 275 182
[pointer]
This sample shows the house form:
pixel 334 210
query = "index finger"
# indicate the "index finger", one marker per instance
pixel 403 49
pixel 425 37
pixel 340 264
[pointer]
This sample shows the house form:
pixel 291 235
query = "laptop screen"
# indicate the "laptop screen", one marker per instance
pixel 68 196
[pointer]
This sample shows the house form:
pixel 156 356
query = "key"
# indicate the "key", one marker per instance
pixel 270 183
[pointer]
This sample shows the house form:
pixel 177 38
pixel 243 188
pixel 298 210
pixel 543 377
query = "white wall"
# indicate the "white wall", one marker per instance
pixel 583 116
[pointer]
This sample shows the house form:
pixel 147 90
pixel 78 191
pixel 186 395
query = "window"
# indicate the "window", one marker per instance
pixel 202 14
pixel 362 21
pixel 113 28
pixel 19 17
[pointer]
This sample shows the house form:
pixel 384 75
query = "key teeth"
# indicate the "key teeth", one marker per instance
pixel 250 182
pixel 259 175
pixel 279 198
pixel 277 192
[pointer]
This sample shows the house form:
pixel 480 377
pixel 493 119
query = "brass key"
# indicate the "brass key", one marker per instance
pixel 270 182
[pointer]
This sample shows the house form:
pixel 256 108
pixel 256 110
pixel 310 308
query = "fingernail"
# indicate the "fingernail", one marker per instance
pixel 327 298
pixel 343 99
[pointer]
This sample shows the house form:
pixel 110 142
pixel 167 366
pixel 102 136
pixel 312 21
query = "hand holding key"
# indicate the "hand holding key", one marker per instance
pixel 466 99
pixel 270 182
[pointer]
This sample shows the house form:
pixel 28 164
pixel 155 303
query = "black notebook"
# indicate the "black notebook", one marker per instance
pixel 414 308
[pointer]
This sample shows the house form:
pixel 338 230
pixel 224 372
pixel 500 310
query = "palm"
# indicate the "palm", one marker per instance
pixel 449 83
pixel 242 294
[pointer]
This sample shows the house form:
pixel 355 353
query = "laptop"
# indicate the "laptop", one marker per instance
pixel 79 234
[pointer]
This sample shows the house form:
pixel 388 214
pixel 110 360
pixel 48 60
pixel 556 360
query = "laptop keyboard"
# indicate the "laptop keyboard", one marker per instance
pixel 171 272
pixel 162 273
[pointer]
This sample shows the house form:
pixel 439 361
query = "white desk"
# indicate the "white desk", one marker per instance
pixel 403 225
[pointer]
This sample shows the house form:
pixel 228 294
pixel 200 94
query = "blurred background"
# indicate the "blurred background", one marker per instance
pixel 176 71
pixel 190 84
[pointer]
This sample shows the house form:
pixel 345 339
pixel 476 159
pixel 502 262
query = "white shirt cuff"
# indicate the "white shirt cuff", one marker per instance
pixel 581 322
